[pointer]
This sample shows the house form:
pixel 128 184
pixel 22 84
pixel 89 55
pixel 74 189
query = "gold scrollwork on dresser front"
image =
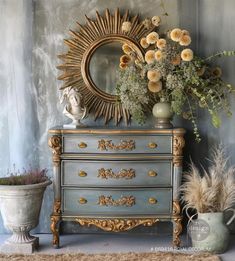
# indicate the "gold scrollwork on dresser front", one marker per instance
pixel 108 173
pixel 55 144
pixel 116 225
pixel 128 201
pixel 127 145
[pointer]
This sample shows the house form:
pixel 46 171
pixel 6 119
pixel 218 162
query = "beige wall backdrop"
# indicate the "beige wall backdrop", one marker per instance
pixel 32 34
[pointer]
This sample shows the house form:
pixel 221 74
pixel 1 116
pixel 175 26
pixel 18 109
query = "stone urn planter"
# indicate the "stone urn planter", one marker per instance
pixel 20 207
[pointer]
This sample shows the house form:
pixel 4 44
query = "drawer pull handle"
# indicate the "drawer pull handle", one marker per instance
pixel 152 173
pixel 108 173
pixel 82 145
pixel 82 201
pixel 126 145
pixel 152 145
pixel 152 201
pixel 128 201
pixel 82 173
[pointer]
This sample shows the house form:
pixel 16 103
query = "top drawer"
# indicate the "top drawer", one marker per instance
pixel 160 144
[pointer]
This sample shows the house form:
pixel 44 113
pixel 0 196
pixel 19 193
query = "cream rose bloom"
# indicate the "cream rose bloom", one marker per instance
pixel 161 43
pixel 126 26
pixel 126 49
pixel 185 40
pixel 155 86
pixel 144 43
pixel 187 55
pixel 159 55
pixel 176 34
pixel 125 59
pixel 216 72
pixel 156 20
pixel 152 38
pixel 147 23
pixel 153 75
pixel 176 60
pixel 149 56
pixel 185 32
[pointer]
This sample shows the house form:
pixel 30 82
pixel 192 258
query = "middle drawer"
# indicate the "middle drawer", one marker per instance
pixel 85 173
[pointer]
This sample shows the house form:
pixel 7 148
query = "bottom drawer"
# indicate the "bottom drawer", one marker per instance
pixel 115 202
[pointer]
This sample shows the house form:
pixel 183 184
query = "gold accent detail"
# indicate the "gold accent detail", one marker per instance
pixel 82 201
pixel 177 231
pixel 57 207
pixel 178 144
pixel 152 173
pixel 116 225
pixel 123 145
pixel 82 145
pixel 108 173
pixel 55 230
pixel 82 173
pixel 118 131
pixel 152 145
pixel 54 143
pixel 176 208
pixel 123 201
pixel 177 225
pixel 152 201
pixel 84 41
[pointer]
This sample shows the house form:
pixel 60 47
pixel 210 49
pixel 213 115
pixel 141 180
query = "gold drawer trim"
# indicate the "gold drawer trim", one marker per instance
pixel 116 225
pixel 123 145
pixel 108 173
pixel 128 201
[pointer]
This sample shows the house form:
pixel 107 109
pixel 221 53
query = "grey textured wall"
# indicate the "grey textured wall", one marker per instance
pixel 32 36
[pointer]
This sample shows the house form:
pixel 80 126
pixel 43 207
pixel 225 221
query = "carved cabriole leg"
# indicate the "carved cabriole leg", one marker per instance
pixel 178 144
pixel 55 144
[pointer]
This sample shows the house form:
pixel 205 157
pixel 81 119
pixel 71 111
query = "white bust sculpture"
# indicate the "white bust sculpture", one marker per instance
pixel 74 107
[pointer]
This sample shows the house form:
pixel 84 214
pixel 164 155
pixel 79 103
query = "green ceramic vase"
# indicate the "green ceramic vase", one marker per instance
pixel 210 233
pixel 163 114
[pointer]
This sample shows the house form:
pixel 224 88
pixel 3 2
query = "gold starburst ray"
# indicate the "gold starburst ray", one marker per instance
pixel 83 42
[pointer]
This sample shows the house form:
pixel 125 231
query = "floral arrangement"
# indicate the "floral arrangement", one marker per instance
pixel 170 72
pixel 214 191
pixel 26 177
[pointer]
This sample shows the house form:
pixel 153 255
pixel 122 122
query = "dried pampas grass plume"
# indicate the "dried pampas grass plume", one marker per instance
pixel 214 191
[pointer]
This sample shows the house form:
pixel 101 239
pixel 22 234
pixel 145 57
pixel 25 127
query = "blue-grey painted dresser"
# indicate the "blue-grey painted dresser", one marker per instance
pixel 116 179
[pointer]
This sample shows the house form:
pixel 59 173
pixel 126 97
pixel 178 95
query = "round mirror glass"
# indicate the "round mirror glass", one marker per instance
pixel 104 65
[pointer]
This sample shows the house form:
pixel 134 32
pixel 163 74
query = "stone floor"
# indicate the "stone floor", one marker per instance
pixel 108 243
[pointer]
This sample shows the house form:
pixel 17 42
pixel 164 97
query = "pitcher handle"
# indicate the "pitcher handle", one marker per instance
pixel 233 216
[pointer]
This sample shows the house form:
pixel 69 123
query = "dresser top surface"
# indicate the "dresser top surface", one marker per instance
pixel 115 130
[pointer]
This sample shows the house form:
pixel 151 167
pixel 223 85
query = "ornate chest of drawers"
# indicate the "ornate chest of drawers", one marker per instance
pixel 116 179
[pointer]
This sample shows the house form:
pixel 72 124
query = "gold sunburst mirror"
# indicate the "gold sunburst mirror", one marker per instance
pixel 93 59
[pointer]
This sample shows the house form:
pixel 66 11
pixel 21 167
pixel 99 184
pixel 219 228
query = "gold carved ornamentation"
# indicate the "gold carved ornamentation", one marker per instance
pixel 108 173
pixel 178 144
pixel 57 207
pixel 178 161
pixel 54 143
pixel 85 40
pixel 123 145
pixel 176 208
pixel 177 231
pixel 116 225
pixel 123 201
pixel 55 230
